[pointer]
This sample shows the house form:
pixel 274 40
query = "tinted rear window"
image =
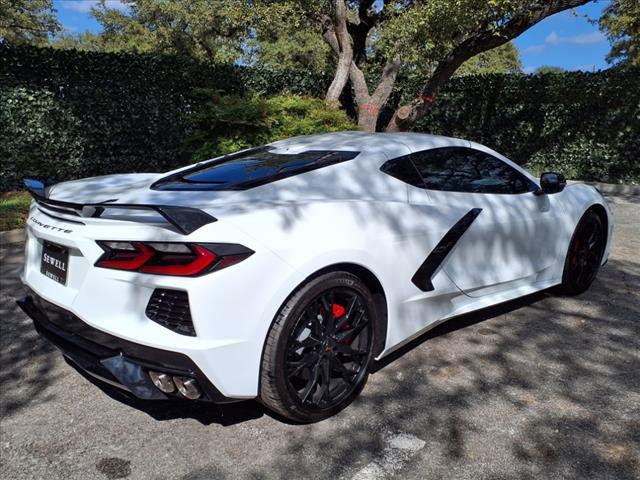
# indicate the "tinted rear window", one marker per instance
pixel 250 169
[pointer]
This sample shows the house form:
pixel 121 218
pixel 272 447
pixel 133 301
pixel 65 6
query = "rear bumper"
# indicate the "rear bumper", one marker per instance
pixel 111 359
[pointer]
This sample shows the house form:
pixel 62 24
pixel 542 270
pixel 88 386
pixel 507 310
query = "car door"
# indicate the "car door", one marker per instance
pixel 508 234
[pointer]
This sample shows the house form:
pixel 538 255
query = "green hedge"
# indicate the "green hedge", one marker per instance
pixel 67 114
pixel 586 125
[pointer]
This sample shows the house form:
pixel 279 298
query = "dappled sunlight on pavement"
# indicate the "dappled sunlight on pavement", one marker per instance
pixel 542 387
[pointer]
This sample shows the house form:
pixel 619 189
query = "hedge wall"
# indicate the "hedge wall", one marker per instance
pixel 66 114
pixel 586 125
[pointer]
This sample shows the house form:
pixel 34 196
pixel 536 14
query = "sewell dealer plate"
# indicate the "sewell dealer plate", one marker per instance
pixel 54 263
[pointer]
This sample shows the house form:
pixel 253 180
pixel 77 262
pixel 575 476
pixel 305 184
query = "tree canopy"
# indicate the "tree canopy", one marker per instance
pixel 28 21
pixel 209 30
pixel 365 43
pixel 549 69
pixel 621 23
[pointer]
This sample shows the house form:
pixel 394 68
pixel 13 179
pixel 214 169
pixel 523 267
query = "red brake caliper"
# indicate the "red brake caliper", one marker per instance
pixel 338 311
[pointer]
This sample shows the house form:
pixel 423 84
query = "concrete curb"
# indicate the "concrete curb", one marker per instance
pixel 12 236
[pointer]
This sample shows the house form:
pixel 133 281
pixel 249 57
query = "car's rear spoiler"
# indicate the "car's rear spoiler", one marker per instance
pixel 185 219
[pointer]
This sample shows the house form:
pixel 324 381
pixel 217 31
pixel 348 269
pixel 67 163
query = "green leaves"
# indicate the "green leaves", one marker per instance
pixel 586 125
pixel 621 23
pixel 227 123
pixel 28 21
pixel 69 114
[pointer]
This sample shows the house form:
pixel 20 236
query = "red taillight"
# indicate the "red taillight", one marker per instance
pixel 126 258
pixel 180 259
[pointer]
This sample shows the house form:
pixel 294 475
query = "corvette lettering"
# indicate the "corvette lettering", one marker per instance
pixel 50 227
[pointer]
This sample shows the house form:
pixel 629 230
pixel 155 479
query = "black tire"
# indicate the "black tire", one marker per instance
pixel 584 255
pixel 303 348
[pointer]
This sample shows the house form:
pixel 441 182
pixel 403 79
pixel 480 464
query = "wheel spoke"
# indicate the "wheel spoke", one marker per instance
pixel 353 332
pixel 352 306
pixel 325 377
pixel 329 322
pixel 337 366
pixel 348 350
pixel 316 319
pixel 307 360
pixel 592 259
pixel 313 382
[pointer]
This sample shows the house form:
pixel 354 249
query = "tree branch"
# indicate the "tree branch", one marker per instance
pixel 360 31
pixel 480 42
pixel 387 81
pixel 345 51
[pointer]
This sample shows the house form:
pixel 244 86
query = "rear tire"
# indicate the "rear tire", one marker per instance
pixel 584 255
pixel 319 349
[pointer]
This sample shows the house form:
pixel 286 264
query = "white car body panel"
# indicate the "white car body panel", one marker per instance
pixel 347 213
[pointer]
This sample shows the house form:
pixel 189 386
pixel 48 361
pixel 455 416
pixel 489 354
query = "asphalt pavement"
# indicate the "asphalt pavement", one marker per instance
pixel 543 387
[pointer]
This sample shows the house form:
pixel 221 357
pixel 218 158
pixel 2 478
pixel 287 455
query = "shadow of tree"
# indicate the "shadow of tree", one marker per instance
pixel 21 348
pixel 551 383
pixel 543 386
pixel 555 385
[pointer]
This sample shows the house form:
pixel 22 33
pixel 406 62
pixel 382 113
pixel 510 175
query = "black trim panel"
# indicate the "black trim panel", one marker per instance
pixel 422 277
pixel 89 347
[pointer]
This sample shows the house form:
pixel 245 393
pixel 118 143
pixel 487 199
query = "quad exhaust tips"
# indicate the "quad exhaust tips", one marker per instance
pixel 186 386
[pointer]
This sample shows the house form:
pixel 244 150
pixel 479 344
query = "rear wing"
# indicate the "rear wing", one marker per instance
pixel 185 219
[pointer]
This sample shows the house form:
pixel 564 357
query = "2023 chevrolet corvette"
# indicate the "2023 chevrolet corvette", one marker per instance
pixel 282 272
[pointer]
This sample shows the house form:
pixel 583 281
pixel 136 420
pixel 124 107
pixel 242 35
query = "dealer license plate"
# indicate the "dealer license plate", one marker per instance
pixel 55 262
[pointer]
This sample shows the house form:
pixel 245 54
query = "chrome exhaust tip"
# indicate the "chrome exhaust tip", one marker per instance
pixel 188 387
pixel 162 381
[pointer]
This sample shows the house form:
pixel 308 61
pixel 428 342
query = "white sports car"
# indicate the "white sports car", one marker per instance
pixel 282 272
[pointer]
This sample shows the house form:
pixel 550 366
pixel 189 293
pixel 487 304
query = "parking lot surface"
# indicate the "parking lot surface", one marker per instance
pixel 543 387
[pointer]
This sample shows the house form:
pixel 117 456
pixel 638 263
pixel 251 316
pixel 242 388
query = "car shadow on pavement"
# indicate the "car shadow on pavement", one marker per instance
pixel 204 412
pixel 233 413
pixel 27 366
pixel 541 387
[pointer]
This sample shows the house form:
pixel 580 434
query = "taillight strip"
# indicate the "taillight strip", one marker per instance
pixel 196 259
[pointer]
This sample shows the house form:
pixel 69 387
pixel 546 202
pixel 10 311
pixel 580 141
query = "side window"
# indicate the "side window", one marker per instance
pixel 403 169
pixel 458 169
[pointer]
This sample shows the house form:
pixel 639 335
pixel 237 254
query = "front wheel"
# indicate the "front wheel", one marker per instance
pixel 319 348
pixel 584 255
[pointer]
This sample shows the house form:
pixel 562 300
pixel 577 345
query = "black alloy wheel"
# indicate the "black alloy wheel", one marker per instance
pixel 319 349
pixel 584 255
pixel 328 349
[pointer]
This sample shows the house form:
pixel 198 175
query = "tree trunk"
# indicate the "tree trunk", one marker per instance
pixel 369 105
pixel 340 40
pixel 407 115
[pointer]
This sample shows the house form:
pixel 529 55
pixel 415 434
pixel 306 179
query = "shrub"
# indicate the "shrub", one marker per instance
pixel 38 134
pixel 223 124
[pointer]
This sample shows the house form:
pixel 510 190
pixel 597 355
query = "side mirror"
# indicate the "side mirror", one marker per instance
pixel 551 182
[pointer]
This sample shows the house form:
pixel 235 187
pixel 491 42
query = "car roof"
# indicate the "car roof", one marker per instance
pixel 365 142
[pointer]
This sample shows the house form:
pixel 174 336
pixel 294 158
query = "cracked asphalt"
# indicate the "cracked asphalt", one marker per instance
pixel 543 387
